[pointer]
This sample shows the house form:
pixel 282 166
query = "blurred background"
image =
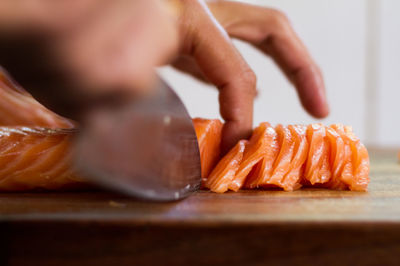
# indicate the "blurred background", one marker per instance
pixel 356 43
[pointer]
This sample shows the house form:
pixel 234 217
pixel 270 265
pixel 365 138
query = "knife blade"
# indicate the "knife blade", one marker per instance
pixel 146 149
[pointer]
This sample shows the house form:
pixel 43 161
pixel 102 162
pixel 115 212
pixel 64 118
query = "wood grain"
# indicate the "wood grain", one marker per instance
pixel 317 226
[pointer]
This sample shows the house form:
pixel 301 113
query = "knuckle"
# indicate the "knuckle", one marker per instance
pixel 248 80
pixel 280 19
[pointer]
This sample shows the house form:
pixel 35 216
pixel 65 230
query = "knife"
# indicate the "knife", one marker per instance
pixel 145 148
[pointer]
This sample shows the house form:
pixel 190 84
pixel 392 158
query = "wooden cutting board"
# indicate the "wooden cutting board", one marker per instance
pixel 307 226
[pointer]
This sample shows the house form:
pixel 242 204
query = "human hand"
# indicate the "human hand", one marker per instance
pixel 75 50
pixel 208 54
pixel 115 45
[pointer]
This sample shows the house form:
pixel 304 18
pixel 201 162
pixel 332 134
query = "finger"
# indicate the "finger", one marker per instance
pixel 223 65
pixel 188 65
pixel 292 57
pixel 270 31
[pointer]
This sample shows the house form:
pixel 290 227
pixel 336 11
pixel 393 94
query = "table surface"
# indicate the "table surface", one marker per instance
pixel 381 204
pixel 305 227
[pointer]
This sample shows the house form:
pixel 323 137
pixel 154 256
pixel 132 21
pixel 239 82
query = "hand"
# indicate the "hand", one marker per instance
pixel 107 45
pixel 207 44
pixel 77 49
pixel 208 54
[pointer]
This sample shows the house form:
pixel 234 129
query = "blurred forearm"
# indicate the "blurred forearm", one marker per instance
pixel 69 52
pixel 43 15
pixel 13 14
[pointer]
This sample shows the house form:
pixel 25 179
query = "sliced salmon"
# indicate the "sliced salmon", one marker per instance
pixel 317 165
pixel 325 172
pixel 208 133
pixel 337 155
pixel 297 155
pixel 223 174
pixel 292 179
pixel 360 161
pixel 282 164
pixel 346 173
pixel 254 152
pixel 263 169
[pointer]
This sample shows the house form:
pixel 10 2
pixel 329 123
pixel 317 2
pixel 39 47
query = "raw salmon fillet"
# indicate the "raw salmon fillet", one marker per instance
pixel 293 156
pixel 35 143
pixel 36 158
pixel 35 152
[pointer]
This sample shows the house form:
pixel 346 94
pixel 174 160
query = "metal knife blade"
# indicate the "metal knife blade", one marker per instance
pixel 147 149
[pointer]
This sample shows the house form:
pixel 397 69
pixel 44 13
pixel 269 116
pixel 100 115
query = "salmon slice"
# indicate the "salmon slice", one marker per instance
pixel 24 163
pixel 208 133
pixel 263 170
pixel 317 169
pixel 346 173
pixel 292 179
pixel 362 168
pixel 19 108
pixel 325 173
pixel 254 152
pixel 223 174
pixel 337 153
pixel 360 159
pixel 282 164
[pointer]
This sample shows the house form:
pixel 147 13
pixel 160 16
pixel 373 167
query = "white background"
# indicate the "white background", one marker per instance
pixel 357 45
